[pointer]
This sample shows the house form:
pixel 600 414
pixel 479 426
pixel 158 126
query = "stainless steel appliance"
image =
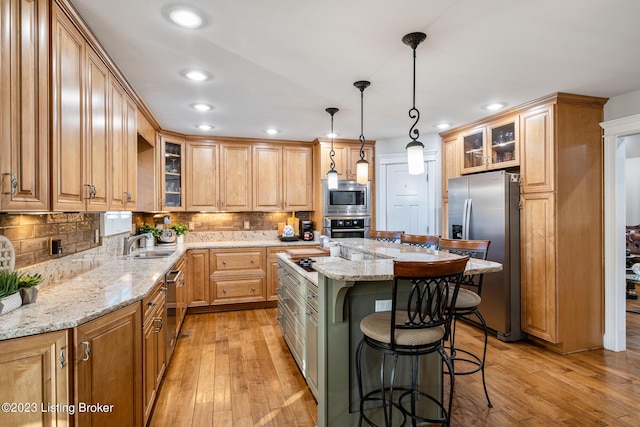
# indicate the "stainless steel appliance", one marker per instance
pixel 174 281
pixel 349 199
pixel 485 207
pixel 347 227
pixel 306 230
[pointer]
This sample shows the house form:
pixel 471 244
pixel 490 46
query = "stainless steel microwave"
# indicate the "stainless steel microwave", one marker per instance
pixel 349 199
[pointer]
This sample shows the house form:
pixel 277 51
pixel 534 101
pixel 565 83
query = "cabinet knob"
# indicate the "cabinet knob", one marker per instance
pixel 252 261
pixel 253 289
pixel 224 291
pixel 224 262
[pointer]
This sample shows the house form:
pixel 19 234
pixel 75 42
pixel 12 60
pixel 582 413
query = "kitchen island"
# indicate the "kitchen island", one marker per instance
pixel 349 287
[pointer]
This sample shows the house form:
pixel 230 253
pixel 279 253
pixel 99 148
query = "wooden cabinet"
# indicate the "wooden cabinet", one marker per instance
pixel 198 277
pixel 346 156
pixel 34 370
pixel 491 146
pixel 154 345
pixel 272 272
pixel 24 108
pixel 538 159
pixel 94 140
pixel 237 275
pixel 218 176
pixel 282 177
pixel 108 368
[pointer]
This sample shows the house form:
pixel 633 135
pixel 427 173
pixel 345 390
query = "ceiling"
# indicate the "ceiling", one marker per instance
pixel 280 63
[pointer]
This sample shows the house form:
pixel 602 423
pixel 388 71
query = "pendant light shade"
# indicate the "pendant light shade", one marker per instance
pixel 332 175
pixel 362 166
pixel 415 155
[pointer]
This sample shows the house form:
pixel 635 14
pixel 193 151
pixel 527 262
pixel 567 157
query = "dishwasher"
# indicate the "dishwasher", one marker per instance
pixel 174 281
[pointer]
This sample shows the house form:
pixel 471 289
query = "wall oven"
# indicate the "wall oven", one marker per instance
pixel 347 227
pixel 349 199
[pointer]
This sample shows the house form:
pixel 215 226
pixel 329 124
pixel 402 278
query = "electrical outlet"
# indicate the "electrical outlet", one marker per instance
pixel 192 226
pixel 383 305
pixel 247 225
pixel 96 236
pixel 55 246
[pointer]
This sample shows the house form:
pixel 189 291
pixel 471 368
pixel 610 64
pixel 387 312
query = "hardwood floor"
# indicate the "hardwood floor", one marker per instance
pixel 234 369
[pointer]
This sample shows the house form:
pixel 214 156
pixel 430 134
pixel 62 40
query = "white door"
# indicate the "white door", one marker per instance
pixel 410 200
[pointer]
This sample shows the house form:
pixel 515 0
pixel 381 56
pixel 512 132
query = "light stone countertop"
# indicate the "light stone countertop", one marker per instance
pixel 381 266
pixel 117 282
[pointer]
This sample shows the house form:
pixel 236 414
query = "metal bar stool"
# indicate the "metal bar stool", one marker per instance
pixel 467 304
pixel 385 236
pixel 418 323
pixel 431 242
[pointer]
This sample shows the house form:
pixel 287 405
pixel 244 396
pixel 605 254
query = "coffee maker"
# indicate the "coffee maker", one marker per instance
pixel 306 230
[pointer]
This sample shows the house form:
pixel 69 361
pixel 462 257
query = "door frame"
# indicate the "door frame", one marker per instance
pixel 615 326
pixel 433 184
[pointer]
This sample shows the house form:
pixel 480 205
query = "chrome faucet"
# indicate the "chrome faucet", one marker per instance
pixel 130 240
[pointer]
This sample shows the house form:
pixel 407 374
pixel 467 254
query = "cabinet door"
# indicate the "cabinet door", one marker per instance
pixel 118 145
pixel 198 277
pixel 67 121
pixel 474 158
pixel 311 350
pixel 503 144
pixel 537 150
pixel 131 154
pixel 339 158
pixel 202 177
pixel 538 276
pixel 235 182
pixel 154 350
pixel 97 146
pixel 108 350
pixel 272 272
pixel 353 156
pixel 298 178
pixel 267 178
pixel 24 105
pixel 172 165
pixel 35 370
pixel 450 162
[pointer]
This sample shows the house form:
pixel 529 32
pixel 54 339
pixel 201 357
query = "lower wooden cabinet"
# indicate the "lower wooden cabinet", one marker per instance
pixel 34 378
pixel 197 277
pixel 272 272
pixel 154 345
pixel 237 275
pixel 108 369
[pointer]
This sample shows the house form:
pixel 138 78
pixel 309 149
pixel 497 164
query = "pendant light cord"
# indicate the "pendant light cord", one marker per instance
pixel 362 85
pixel 414 133
pixel 332 153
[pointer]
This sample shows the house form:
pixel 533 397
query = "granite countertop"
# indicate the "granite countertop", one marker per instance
pixel 380 264
pixel 117 282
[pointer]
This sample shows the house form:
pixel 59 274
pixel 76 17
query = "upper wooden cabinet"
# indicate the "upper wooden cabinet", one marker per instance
pixel 218 176
pixel 172 166
pixel 538 160
pixel 491 146
pixel 346 156
pixel 94 141
pixel 282 177
pixel 450 162
pixel 24 108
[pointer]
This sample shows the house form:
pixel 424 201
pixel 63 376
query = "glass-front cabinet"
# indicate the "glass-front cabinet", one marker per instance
pixel 172 177
pixel 494 146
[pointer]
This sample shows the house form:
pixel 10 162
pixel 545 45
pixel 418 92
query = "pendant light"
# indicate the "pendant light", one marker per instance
pixel 415 156
pixel 332 175
pixel 362 166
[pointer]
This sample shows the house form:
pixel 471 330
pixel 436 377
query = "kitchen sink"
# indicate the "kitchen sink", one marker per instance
pixel 153 254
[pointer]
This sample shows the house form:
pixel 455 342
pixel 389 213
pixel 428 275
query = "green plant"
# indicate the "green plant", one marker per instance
pixel 29 280
pixel 179 228
pixel 146 228
pixel 9 283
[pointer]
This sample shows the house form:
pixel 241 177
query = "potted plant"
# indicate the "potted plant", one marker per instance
pixel 29 285
pixel 9 297
pixel 181 230
pixel 146 228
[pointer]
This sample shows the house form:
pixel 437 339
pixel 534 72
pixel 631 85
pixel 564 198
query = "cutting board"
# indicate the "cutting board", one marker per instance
pixel 295 223
pixel 309 252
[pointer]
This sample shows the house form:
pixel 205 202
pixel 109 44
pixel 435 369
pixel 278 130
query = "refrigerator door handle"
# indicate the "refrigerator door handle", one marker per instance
pixel 466 219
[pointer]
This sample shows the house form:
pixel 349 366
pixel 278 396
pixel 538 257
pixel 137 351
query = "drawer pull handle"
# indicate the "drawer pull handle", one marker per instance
pixel 159 327
pixel 252 261
pixel 153 303
pixel 224 291
pixel 87 351
pixel 62 359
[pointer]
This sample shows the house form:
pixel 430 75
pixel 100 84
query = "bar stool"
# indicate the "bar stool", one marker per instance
pixel 420 240
pixel 467 304
pixel 385 236
pixel 417 324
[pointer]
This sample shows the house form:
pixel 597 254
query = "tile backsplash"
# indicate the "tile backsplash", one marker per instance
pixel 31 234
pixel 223 221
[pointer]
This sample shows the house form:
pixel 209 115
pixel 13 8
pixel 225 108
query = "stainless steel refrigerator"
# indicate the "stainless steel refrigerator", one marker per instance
pixel 485 206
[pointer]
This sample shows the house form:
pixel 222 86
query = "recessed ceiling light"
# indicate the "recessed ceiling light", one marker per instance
pixel 443 125
pixel 185 16
pixel 196 75
pixel 272 131
pixel 494 106
pixel 201 106
pixel 332 135
pixel 204 126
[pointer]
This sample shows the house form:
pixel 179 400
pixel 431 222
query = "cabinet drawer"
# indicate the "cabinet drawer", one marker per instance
pixel 156 298
pixel 295 340
pixel 273 252
pixel 232 262
pixel 241 289
pixel 295 310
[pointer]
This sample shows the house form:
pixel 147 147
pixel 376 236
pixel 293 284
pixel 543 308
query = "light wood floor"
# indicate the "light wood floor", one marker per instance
pixel 234 369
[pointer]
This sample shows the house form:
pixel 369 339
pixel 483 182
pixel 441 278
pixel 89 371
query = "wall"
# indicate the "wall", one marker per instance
pixel 624 105
pixel 30 234
pixel 232 221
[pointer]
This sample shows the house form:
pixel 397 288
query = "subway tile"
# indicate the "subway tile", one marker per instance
pixel 19 233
